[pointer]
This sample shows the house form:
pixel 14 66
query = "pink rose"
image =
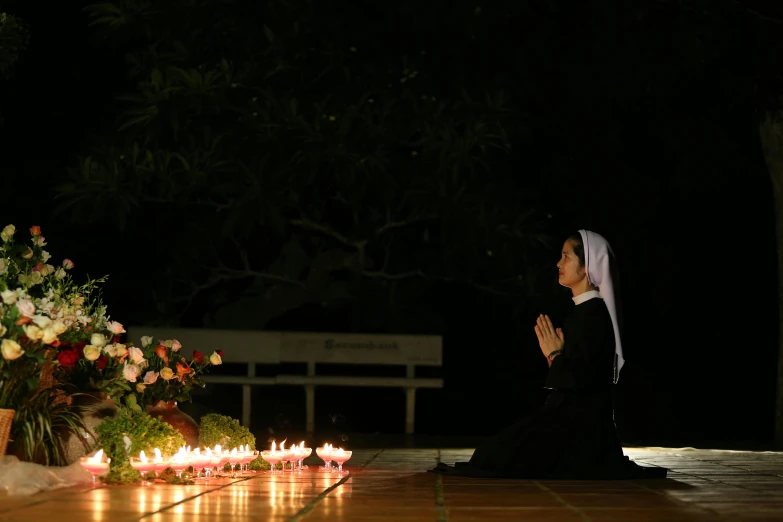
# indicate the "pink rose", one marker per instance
pixel 130 372
pixel 67 264
pixel 150 377
pixel 135 354
pixel 115 327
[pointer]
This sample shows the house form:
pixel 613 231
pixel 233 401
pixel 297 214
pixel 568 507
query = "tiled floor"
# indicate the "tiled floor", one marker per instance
pixel 391 485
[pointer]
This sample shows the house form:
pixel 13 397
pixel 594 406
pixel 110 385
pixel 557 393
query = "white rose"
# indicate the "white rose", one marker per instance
pixel 3 330
pixel 3 266
pixel 7 233
pixel 122 351
pixel 33 332
pixel 9 296
pixel 146 341
pixel 60 273
pixel 91 353
pixel 59 327
pixel 175 346
pixel 215 359
pixel 40 241
pixel 130 372
pixel 11 350
pixel 36 278
pixel 166 373
pixel 41 321
pixel 26 307
pixel 49 269
pixel 111 350
pixel 98 340
pixel 115 327
pixel 136 354
pixel 49 335
pixel 151 377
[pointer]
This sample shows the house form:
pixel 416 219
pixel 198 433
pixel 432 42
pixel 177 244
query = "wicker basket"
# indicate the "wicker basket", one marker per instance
pixel 6 418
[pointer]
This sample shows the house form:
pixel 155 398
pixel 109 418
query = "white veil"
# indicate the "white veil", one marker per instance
pixel 601 272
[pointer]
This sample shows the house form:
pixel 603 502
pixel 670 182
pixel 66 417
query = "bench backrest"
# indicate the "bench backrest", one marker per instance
pixel 246 346
pixel 239 346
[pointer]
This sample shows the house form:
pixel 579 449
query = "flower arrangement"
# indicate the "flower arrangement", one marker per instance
pixel 29 333
pixel 26 333
pixel 161 373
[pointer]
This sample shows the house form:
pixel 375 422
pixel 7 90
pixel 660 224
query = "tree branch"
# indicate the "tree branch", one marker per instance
pixel 390 225
pixel 329 231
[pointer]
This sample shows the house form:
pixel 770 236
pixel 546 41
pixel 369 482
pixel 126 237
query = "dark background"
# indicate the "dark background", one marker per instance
pixel 673 176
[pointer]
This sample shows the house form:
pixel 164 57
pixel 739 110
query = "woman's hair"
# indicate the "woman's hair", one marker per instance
pixel 579 247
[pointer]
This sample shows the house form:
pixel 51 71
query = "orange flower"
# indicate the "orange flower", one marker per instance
pixel 182 371
pixel 35 230
pixel 23 320
pixel 162 352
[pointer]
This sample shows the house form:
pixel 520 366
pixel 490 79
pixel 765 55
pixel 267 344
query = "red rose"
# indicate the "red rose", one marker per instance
pixel 68 358
pixel 79 348
pixel 220 353
pixel 101 362
pixel 198 357
pixel 116 339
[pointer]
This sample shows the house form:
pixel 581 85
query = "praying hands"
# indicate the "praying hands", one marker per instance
pixel 550 339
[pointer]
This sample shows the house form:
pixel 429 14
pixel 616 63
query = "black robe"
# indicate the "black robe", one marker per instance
pixel 573 435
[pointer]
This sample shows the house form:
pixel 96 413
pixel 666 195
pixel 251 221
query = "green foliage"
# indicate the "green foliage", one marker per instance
pixel 221 429
pixel 258 464
pixel 121 473
pixel 144 432
pixel 41 426
pixel 13 40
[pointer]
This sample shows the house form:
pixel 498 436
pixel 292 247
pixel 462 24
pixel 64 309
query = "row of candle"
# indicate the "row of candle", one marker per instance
pixel 218 457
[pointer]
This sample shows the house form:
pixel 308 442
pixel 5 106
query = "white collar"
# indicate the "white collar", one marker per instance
pixel 586 296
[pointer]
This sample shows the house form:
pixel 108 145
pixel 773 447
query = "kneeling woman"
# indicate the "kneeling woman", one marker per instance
pixel 573 435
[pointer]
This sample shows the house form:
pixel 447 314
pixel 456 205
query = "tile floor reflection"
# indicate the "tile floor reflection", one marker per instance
pixel 392 485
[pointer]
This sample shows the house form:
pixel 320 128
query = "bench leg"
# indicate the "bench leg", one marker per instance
pixel 246 405
pixel 310 407
pixel 410 410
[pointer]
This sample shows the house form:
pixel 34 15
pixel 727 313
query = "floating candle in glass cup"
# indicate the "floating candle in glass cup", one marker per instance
pixel 246 456
pixel 96 464
pixel 201 461
pixel 179 462
pixel 272 456
pixel 160 464
pixel 340 456
pixel 142 464
pixel 324 453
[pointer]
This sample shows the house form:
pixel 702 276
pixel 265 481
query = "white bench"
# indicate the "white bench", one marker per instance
pixel 258 347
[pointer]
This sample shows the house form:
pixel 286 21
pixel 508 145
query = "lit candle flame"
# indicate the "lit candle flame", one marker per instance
pixel 97 457
pixel 282 445
pixel 142 457
pixel 218 449
pixel 158 456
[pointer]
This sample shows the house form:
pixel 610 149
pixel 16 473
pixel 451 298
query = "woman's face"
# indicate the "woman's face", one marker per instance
pixel 571 274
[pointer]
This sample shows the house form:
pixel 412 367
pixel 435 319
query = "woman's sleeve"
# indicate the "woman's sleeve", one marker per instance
pixel 584 358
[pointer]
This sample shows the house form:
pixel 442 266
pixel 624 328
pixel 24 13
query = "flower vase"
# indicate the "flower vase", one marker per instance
pixel 180 421
pixel 6 419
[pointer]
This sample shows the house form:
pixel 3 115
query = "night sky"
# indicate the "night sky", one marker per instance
pixel 635 119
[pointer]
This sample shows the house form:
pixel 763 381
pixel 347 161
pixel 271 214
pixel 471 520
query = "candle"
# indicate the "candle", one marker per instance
pixel 95 464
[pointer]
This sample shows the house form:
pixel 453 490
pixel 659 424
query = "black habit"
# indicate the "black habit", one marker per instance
pixel 573 435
